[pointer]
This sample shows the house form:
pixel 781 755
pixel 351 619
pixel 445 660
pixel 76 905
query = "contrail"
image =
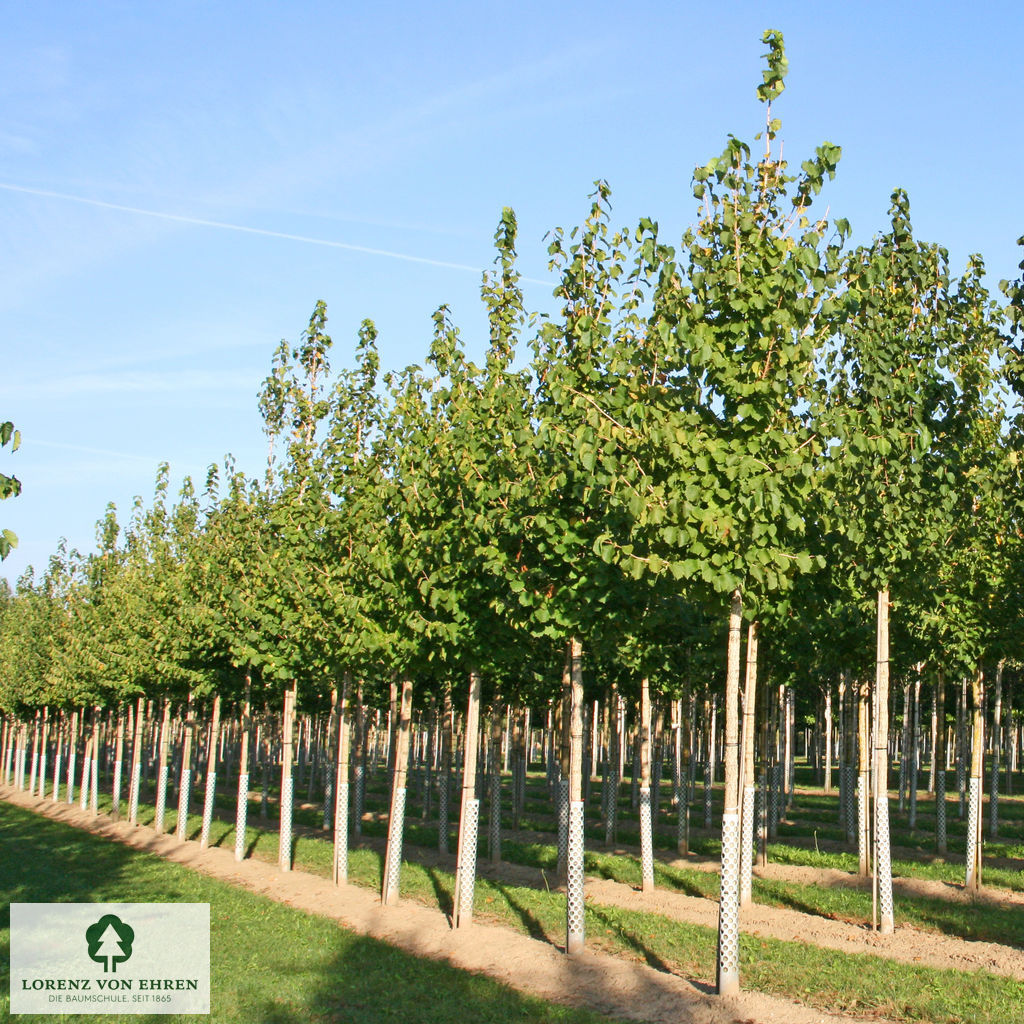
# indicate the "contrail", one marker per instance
pixel 89 451
pixel 202 222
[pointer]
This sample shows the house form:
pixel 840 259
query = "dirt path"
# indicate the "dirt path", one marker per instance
pixel 602 982
pixel 832 877
pixel 907 945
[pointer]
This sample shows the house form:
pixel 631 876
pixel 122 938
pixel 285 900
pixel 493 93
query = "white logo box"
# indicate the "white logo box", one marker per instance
pixel 110 958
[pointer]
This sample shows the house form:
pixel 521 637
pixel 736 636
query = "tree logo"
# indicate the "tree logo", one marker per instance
pixel 110 942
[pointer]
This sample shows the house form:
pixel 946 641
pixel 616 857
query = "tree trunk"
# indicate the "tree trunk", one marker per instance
pixel 934 742
pixel 790 770
pixel 359 767
pixel 469 815
pixel 34 770
pixel 914 750
pixel 614 766
pixel 87 745
pixel 562 720
pixel 574 907
pixel 709 758
pixel 679 780
pixel 444 792
pixel 747 832
pixel 972 879
pixel 10 751
pixel 961 747
pixel 848 769
pixel 520 746
pixel 764 781
pixel 646 825
pixel 883 862
pixel 657 758
pixel 828 739
pixel 776 731
pixel 494 752
pixel 396 819
pixel 904 749
pixel 185 787
pixel 72 757
pixel 939 759
pixel 19 756
pixel 24 753
pixel 728 974
pixel 42 752
pixel 263 747
pixel 427 757
pixel 997 741
pixel 211 773
pixel 550 752
pixel 162 770
pixel 634 775
pixel 524 759
pixel 94 780
pixel 314 741
pixel 606 747
pixel 87 736
pixel 7 753
pixel 341 783
pixel 115 810
pixel 330 764
pixel 863 781
pixel 284 850
pixel 1011 735
pixel 5 746
pixel 392 729
pixel 242 802
pixel 61 727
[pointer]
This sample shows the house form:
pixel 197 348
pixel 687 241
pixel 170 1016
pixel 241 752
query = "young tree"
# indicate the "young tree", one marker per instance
pixel 893 419
pixel 744 311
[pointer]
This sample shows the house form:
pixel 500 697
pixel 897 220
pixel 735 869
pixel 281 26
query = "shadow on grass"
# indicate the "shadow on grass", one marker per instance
pixel 980 922
pixel 671 880
pixel 223 830
pixel 622 871
pixel 628 936
pixel 257 836
pixel 784 897
pixel 534 855
pixel 529 920
pixel 445 897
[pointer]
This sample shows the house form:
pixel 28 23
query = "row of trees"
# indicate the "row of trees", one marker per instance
pixel 761 423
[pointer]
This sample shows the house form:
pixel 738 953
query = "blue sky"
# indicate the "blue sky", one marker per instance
pixel 180 183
